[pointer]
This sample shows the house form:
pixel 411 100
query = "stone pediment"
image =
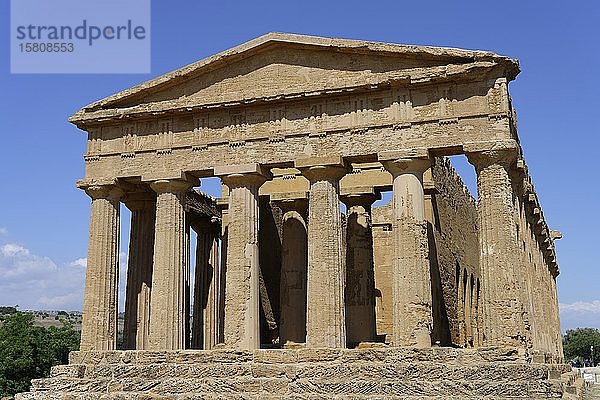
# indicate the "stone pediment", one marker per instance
pixel 278 66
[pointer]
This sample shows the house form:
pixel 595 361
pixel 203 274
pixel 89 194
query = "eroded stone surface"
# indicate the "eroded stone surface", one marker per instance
pixel 384 373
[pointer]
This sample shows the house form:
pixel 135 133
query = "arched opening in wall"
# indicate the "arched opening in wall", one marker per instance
pixel 459 322
pixel 471 307
pixel 465 316
pixel 478 316
pixel 466 173
pixel 294 268
pixel 457 278
pixel 383 261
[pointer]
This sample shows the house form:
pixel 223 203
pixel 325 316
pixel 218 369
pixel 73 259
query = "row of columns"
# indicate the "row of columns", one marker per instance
pixel 359 290
pixel 157 295
pixel 327 324
pixel 329 315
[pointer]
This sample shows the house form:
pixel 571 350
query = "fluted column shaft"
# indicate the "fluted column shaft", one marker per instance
pixel 292 323
pixel 99 325
pixel 412 299
pixel 360 273
pixel 139 273
pixel 325 319
pixel 168 299
pixel 559 357
pixel 503 322
pixel 242 325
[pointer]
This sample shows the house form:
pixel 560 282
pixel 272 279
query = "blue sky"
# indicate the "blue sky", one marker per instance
pixel 44 218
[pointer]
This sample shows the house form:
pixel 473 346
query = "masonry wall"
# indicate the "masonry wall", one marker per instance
pixel 452 216
pixel 454 258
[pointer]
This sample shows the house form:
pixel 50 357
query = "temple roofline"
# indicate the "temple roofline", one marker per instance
pixel 451 55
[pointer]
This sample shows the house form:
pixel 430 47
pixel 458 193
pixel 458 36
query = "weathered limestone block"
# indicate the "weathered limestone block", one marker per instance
pixel 382 373
pixel 325 320
pixel 139 270
pixel 99 325
pixel 499 257
pixel 412 309
pixel 167 302
pixel 242 273
pixel 360 274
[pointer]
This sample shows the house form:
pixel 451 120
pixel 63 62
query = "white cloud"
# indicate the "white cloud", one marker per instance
pixel 580 314
pixel 65 301
pixel 18 261
pixel 37 282
pixel 3 231
pixel 582 306
pixel 80 262
pixel 13 249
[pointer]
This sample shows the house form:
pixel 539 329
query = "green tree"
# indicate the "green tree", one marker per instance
pixel 28 352
pixel 7 310
pixel 577 344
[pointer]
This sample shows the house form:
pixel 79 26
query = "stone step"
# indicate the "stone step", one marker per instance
pixel 248 396
pixel 243 396
pixel 292 356
pixel 304 386
pixel 374 370
pixel 374 373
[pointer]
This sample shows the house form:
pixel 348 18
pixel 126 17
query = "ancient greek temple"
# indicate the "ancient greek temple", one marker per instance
pixel 294 265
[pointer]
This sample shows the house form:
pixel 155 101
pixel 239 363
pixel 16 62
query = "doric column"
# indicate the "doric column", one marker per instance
pixel 206 280
pixel 325 319
pixel 360 273
pixel 524 271
pixel 99 325
pixel 294 258
pixel 559 358
pixel 242 325
pixel 139 270
pixel 499 260
pixel 167 302
pixel 412 311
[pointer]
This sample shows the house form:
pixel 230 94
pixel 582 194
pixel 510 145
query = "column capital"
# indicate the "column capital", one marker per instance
pixel 243 175
pixel 170 186
pixel 110 192
pixel 139 200
pixel 294 201
pixel 481 159
pixel 399 166
pixel 355 198
pixel 329 168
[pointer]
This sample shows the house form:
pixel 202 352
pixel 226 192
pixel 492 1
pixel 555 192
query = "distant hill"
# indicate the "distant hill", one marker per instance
pixel 48 318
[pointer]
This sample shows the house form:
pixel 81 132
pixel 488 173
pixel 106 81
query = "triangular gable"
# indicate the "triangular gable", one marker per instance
pixel 284 65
